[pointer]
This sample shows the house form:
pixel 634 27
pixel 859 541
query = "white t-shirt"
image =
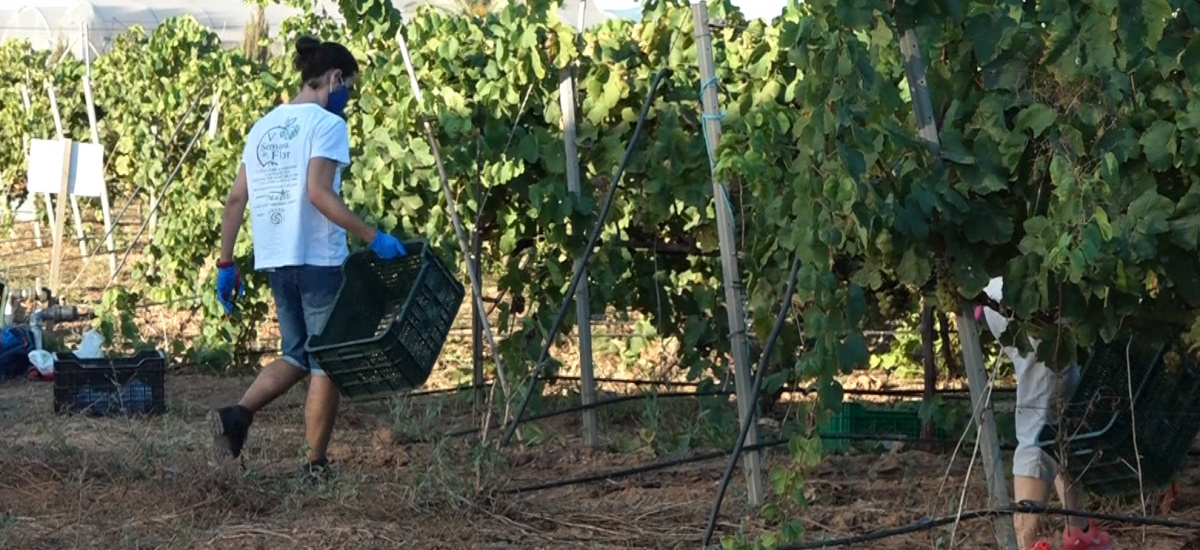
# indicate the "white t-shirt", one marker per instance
pixel 287 230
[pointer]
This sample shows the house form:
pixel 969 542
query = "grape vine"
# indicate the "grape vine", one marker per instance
pixel 1068 133
pixel 492 89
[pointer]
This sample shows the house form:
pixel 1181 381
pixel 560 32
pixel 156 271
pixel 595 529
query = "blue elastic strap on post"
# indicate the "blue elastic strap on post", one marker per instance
pixel 712 164
pixel 712 161
pixel 708 145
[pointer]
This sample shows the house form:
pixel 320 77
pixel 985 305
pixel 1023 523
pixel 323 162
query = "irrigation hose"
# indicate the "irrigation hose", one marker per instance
pixel 950 393
pixel 768 347
pixel 587 253
pixel 945 392
pixel 596 405
pixel 645 468
pixel 704 457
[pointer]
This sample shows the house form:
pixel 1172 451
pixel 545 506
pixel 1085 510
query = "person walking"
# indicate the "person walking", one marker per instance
pixel 290 178
pixel 1034 471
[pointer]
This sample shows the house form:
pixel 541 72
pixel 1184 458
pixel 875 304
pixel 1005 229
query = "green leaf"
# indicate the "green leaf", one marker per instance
pixel 1150 212
pixel 988 227
pixel 989 32
pixel 853 352
pixel 1037 117
pixel 806 451
pixel 856 304
pixel 1102 222
pixel 955 9
pixel 1190 60
pixel 953 149
pixel 781 479
pixel 1106 7
pixel 1185 232
pixel 1101 51
pixel 1022 278
pixel 910 221
pixel 1159 145
pixel 794 529
pixel 914 269
pixel 1058 347
pixel 1062 174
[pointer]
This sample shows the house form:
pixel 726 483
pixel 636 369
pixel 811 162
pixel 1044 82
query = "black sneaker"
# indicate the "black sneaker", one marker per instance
pixel 317 471
pixel 232 426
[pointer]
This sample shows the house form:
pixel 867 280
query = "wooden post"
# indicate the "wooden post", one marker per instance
pixel 583 309
pixel 977 379
pixel 37 224
pixel 929 361
pixel 476 312
pixel 105 208
pixel 463 241
pixel 729 264
pixel 60 217
pixel 74 201
pixel 989 440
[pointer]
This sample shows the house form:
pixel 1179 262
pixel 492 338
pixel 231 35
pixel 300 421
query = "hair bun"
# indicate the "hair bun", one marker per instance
pixel 314 58
pixel 307 48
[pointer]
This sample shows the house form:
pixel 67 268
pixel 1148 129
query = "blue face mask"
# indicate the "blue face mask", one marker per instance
pixel 338 100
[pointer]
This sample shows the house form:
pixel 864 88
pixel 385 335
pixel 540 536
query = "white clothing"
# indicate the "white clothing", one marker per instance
pixel 1037 388
pixel 286 228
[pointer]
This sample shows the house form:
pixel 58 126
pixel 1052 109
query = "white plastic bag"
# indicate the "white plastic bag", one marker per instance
pixel 92 346
pixel 43 361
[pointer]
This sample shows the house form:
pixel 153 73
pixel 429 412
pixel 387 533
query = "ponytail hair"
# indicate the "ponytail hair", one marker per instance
pixel 314 58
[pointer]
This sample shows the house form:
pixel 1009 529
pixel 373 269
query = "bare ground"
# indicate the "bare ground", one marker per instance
pixel 76 482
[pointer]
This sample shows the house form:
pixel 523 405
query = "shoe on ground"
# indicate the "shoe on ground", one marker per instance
pixel 1094 538
pixel 1041 544
pixel 232 425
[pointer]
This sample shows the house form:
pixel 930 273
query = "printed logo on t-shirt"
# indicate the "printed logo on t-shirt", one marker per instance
pixel 275 145
pixel 278 172
pixel 287 229
pixel 278 196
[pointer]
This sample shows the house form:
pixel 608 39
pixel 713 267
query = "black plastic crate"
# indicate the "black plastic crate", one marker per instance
pixel 1097 424
pixel 389 323
pixel 110 386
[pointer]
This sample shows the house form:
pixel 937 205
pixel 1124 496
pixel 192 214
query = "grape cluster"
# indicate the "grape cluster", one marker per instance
pixel 894 300
pixel 1191 340
pixel 887 302
pixel 946 293
pixel 1172 361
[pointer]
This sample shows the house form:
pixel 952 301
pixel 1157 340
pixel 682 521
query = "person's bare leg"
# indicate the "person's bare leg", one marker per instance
pixel 232 423
pixel 320 411
pixel 275 379
pixel 1034 490
pixel 1070 500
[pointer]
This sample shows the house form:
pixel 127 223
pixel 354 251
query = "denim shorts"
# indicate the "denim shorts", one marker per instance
pixel 304 296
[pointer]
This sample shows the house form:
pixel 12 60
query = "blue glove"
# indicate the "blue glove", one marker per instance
pixel 386 246
pixel 229 285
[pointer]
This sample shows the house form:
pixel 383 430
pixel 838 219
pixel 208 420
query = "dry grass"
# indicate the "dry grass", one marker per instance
pixel 73 482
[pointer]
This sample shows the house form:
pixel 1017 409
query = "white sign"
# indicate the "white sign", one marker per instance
pixel 46 168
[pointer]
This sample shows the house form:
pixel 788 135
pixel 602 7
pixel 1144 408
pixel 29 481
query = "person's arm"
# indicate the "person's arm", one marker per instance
pixel 231 221
pixel 330 151
pixel 320 192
